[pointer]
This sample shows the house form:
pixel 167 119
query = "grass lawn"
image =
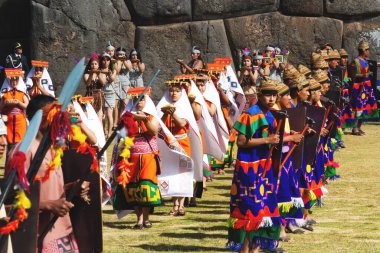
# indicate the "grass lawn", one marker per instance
pixel 348 222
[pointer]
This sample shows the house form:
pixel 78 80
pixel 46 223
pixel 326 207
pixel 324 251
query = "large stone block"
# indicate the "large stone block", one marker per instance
pixel 151 12
pixel 62 36
pixel 368 30
pixel 302 8
pixel 352 7
pixel 300 35
pixel 216 9
pixel 162 45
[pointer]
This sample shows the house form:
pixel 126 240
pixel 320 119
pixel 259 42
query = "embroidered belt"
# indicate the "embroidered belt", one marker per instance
pixel 141 146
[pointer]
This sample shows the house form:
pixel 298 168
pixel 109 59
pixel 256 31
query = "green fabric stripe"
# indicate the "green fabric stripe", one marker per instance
pixel 357 64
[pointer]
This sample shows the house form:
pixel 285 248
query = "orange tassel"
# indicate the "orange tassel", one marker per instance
pixel 10 227
pixel 21 214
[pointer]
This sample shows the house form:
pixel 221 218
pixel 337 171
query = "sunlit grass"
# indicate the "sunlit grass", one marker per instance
pixel 348 222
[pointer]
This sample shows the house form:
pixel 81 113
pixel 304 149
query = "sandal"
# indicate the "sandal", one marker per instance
pixel 355 131
pixel 308 227
pixel 147 224
pixel 296 231
pixel 174 211
pixel 311 222
pixel 361 132
pixel 221 172
pixel 138 226
pixel 181 211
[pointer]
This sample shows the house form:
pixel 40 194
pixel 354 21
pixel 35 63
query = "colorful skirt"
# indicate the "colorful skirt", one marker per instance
pixel 254 210
pixel 363 100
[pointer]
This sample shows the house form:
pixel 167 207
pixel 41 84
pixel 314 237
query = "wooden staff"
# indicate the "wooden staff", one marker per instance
pixel 309 122
pixel 282 116
pixel 329 126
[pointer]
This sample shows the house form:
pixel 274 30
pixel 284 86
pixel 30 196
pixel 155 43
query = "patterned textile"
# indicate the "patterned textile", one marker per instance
pixel 363 97
pixel 254 211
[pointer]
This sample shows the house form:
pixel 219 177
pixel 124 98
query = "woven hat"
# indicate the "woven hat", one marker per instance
pixel 334 55
pixel 290 72
pixel 303 70
pixel 321 64
pixel 320 76
pixel 363 45
pixel 314 57
pixel 343 52
pixel 268 87
pixel 314 85
pixel 299 82
pixel 325 54
pixel 17 45
pixel 282 89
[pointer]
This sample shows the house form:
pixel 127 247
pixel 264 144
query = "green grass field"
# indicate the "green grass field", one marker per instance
pixel 348 222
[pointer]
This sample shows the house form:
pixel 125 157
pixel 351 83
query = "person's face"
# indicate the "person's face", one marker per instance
pixel 110 51
pixel 94 65
pixel 141 104
pixel 3 144
pixel 333 63
pixel 316 96
pixel 366 52
pixel 247 62
pixel 18 50
pixel 70 107
pixel 325 86
pixel 106 62
pixel 344 61
pixel 38 71
pixel 201 86
pixel 269 99
pixel 258 62
pixel 175 93
pixel 121 54
pixel 194 56
pixel 13 82
pixel 304 94
pixel 285 100
pixel 134 56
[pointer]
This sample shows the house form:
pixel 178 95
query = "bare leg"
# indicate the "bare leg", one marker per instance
pixel 245 248
pixel 116 112
pixel 110 121
pixel 139 215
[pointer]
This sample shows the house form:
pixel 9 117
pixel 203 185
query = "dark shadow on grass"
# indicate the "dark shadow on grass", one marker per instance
pixel 198 219
pixel 183 248
pixel 193 235
pixel 119 224
pixel 221 187
pixel 109 212
pixel 212 228
pixel 225 211
pixel 211 202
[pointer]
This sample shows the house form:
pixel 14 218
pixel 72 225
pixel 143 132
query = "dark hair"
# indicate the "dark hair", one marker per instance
pixel 138 54
pixel 121 49
pixel 88 66
pixel 361 51
pixel 111 66
pixel 37 103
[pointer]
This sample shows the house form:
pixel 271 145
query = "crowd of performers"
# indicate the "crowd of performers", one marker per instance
pixel 285 120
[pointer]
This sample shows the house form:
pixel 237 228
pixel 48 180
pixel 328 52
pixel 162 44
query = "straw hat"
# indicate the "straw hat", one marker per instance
pixel 321 64
pixel 343 52
pixel 363 45
pixel 314 85
pixel 282 89
pixel 320 76
pixel 303 69
pixel 334 55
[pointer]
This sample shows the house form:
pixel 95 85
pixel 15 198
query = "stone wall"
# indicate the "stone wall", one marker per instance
pixel 62 31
